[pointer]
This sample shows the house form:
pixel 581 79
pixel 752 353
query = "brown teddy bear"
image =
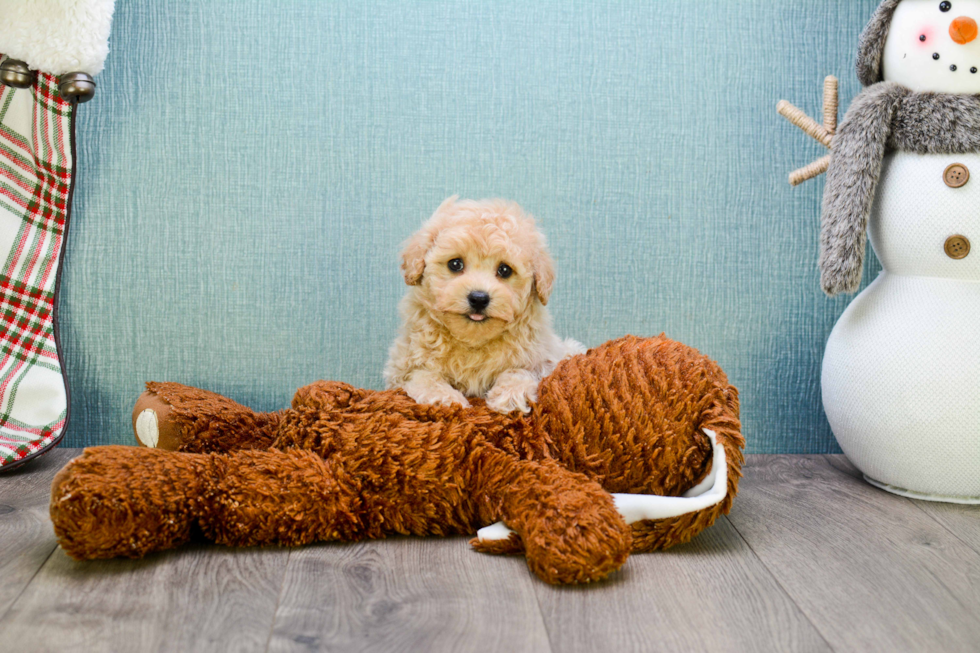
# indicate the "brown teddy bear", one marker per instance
pixel 343 463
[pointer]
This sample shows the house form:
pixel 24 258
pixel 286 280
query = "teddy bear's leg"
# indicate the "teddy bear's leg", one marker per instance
pixel 567 524
pixel 177 417
pixel 285 498
pixel 127 501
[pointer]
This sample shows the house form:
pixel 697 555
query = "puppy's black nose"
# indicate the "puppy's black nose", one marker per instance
pixel 478 300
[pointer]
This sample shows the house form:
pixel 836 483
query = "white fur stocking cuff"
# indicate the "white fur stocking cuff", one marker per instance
pixel 57 36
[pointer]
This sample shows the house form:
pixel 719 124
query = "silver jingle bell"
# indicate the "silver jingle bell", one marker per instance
pixel 77 87
pixel 15 73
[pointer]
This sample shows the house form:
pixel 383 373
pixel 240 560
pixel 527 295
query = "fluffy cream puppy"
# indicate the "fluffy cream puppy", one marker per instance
pixel 475 322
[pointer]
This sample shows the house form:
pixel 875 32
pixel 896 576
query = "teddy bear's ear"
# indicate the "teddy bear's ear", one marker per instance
pixel 544 275
pixel 416 247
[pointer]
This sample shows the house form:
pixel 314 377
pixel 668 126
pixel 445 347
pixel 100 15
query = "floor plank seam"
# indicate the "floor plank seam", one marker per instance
pixel 779 583
pixel 917 503
pixel 275 610
pixel 544 622
pixel 967 608
pixel 944 526
pixel 28 583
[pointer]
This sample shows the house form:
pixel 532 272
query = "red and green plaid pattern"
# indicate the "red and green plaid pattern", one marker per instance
pixel 35 182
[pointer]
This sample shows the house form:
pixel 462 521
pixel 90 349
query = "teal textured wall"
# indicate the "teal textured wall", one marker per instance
pixel 249 168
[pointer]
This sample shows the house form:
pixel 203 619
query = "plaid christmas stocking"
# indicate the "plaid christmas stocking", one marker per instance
pixel 37 150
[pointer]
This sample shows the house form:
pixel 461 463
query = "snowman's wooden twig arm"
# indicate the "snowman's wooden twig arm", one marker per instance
pixel 831 103
pixel 811 171
pixel 822 133
pixel 810 127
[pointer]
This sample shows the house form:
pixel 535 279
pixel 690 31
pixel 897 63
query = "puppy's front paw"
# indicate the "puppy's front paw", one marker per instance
pixel 514 390
pixel 451 397
pixel 438 396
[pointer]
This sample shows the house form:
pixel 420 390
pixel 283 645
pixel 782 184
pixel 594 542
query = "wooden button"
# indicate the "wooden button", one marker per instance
pixel 957 247
pixel 956 175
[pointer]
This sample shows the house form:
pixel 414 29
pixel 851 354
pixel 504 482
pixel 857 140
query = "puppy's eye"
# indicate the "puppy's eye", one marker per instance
pixel 945 6
pixel 456 265
pixel 504 271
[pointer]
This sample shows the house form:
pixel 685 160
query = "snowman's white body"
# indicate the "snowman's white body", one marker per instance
pixel 901 372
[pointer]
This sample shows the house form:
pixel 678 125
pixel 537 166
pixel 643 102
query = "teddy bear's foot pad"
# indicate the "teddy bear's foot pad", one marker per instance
pixel 147 429
pixel 153 423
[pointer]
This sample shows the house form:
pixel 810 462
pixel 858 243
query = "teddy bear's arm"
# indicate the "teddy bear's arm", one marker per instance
pixel 566 524
pixel 657 522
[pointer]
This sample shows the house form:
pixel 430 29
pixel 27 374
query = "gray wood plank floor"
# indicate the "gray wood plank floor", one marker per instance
pixel 810 559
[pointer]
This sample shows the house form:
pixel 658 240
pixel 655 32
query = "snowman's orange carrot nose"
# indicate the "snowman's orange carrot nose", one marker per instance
pixel 963 30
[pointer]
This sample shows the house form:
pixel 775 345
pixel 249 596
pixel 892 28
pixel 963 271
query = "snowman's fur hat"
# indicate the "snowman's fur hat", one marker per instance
pixel 872 45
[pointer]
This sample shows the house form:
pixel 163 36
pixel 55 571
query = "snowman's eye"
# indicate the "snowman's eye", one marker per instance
pixel 945 6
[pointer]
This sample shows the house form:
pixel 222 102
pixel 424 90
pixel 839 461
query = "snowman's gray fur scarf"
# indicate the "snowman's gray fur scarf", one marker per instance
pixel 885 116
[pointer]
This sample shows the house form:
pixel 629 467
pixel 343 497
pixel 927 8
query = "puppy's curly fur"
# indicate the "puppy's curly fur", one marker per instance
pixel 451 345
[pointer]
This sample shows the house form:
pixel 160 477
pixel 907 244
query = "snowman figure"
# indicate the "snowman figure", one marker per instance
pixel 901 371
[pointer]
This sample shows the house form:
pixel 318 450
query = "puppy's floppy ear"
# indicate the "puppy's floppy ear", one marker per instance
pixel 413 256
pixel 416 247
pixel 544 276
